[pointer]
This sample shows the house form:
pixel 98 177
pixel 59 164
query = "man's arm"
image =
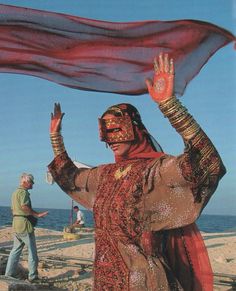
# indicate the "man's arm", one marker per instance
pixel 29 211
pixel 76 223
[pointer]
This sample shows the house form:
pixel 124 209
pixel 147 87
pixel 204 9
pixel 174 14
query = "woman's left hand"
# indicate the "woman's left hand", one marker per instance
pixel 163 82
pixel 56 119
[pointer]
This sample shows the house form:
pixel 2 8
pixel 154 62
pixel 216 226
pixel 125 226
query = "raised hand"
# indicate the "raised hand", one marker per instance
pixel 163 81
pixel 56 119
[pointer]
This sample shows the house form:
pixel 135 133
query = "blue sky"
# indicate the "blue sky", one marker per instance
pixel 26 103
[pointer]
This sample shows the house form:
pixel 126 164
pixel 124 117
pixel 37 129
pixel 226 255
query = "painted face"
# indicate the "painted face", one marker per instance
pixel 116 129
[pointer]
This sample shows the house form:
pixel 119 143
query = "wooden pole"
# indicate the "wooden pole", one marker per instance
pixel 71 213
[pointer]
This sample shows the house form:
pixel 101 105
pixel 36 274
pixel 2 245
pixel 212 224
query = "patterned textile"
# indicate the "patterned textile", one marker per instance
pixel 136 204
pixel 119 220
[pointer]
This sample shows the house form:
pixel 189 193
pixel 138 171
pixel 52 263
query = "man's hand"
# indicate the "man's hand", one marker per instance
pixel 163 82
pixel 56 119
pixel 42 214
pixel 76 223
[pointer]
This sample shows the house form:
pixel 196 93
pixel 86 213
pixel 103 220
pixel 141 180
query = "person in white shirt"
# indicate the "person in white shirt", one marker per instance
pixel 79 217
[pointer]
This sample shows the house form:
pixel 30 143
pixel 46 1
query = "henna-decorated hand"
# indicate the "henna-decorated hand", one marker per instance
pixel 56 118
pixel 163 82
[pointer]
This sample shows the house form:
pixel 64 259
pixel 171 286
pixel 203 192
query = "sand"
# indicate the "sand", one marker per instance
pixel 67 264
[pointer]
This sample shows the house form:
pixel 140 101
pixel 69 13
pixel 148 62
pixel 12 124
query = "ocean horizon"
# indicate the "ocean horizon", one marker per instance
pixel 57 219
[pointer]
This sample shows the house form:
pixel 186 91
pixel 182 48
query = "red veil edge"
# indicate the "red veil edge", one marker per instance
pixel 189 259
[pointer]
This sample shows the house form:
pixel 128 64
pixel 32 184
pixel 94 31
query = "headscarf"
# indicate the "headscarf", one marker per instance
pixel 143 146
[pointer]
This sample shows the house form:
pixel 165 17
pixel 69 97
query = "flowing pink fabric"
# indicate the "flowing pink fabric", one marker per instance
pixel 102 56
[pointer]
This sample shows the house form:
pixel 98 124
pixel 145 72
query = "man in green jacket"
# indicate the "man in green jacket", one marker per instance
pixel 24 219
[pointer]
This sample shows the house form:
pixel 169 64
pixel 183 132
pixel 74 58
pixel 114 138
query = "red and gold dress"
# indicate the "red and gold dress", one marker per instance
pixel 144 211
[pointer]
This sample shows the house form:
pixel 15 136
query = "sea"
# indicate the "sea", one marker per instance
pixel 57 219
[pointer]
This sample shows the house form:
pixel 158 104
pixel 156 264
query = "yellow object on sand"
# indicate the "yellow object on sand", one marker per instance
pixel 71 236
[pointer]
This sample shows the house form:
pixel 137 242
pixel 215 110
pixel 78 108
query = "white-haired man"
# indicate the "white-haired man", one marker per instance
pixel 24 220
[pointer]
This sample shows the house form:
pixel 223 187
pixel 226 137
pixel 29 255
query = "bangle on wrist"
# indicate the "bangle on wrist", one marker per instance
pixel 179 117
pixel 57 143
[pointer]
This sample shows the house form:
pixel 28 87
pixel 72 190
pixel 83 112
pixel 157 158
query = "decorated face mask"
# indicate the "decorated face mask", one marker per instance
pixel 117 129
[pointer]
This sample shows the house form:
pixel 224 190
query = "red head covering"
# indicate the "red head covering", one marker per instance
pixel 143 144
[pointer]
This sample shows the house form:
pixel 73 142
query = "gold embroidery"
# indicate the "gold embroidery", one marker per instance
pixel 122 172
pixel 117 129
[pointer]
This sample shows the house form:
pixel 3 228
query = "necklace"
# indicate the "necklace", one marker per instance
pixel 122 172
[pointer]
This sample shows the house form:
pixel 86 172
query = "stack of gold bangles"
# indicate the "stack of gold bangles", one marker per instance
pixel 57 143
pixel 179 117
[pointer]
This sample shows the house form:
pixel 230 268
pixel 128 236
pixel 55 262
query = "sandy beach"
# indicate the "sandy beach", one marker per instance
pixel 66 264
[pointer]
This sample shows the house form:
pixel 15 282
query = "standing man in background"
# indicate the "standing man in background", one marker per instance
pixel 79 217
pixel 24 220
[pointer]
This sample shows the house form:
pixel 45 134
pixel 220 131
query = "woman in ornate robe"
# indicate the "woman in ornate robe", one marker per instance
pixel 146 203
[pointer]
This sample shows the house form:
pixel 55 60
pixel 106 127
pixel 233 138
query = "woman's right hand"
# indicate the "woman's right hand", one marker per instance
pixel 162 87
pixel 56 119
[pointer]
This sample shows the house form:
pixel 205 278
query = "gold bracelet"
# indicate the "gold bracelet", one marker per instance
pixel 57 143
pixel 56 133
pixel 168 102
pixel 170 108
pixel 190 132
pixel 198 139
pixel 179 117
pixel 184 124
pixel 182 120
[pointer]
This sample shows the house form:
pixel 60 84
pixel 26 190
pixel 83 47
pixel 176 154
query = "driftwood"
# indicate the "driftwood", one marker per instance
pixel 83 263
pixel 225 279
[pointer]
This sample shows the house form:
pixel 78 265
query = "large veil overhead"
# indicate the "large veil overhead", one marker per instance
pixel 103 56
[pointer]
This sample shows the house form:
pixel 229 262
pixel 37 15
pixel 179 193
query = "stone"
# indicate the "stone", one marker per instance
pixel 11 284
